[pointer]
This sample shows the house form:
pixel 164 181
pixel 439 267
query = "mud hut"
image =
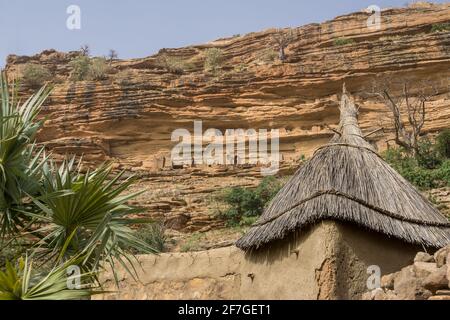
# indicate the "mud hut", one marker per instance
pixel 358 209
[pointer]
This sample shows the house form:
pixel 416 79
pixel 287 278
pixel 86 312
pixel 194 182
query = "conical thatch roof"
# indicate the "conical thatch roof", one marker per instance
pixel 346 180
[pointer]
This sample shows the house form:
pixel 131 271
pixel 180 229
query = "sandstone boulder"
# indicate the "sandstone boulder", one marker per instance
pixel 439 298
pixel 380 294
pixel 423 257
pixel 443 293
pixel 177 222
pixel 387 281
pixel 436 280
pixel 408 286
pixel 441 256
pixel 367 296
pixel 385 295
pixel 424 269
pixel 372 294
pixel 448 269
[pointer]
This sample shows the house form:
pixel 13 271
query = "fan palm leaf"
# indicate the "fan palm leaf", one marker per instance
pixel 22 283
pixel 86 213
pixel 19 162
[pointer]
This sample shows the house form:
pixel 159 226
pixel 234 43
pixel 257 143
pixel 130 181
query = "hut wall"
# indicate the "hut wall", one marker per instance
pixel 357 249
pixel 329 261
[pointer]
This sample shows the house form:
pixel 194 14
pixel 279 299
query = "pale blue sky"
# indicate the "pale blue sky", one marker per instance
pixel 138 28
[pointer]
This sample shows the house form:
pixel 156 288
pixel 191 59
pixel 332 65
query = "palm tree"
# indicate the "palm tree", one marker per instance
pixel 19 163
pixel 86 214
pixel 70 217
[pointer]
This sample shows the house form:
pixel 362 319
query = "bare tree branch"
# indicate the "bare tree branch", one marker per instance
pixel 404 102
pixel 282 39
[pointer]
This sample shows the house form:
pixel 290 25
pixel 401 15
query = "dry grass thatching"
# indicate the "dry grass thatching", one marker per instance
pixel 346 180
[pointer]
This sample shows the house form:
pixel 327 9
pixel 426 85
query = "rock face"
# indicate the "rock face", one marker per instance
pixel 442 196
pixel 129 117
pixel 427 279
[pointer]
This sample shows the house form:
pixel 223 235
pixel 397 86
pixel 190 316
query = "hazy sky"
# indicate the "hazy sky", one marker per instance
pixel 138 28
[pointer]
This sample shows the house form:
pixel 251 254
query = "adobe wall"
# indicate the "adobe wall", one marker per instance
pixel 329 261
pixel 357 249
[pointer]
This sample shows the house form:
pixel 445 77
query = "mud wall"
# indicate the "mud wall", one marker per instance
pixel 329 261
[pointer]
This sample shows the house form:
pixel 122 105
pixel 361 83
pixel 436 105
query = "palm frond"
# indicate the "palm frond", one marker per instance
pixel 86 213
pixel 22 283
pixel 19 162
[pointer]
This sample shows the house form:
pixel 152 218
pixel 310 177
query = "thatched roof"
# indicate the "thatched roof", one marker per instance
pixel 346 180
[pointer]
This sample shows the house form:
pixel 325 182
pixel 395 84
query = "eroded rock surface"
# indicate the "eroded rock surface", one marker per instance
pixel 129 117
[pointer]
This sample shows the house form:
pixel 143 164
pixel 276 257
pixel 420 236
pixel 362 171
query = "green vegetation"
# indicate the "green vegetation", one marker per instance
pixel 12 251
pixel 80 67
pixel 268 55
pixel 213 60
pixel 21 282
pixel 171 64
pixel 55 216
pixel 154 235
pixel 89 216
pixel 428 156
pixel 440 27
pixel 430 170
pixel 99 69
pixel 85 68
pixel 35 75
pixel 242 206
pixel 193 243
pixel 240 68
pixel 443 144
pixel 343 42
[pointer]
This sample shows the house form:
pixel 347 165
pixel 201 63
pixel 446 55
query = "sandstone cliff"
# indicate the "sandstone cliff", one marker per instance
pixel 129 117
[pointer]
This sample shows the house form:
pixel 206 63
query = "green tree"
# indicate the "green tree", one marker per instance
pixel 66 214
pixel 35 75
pixel 443 144
pixel 80 67
pixel 214 58
pixel 243 204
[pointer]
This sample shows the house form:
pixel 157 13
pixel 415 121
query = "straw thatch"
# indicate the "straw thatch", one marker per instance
pixel 346 180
